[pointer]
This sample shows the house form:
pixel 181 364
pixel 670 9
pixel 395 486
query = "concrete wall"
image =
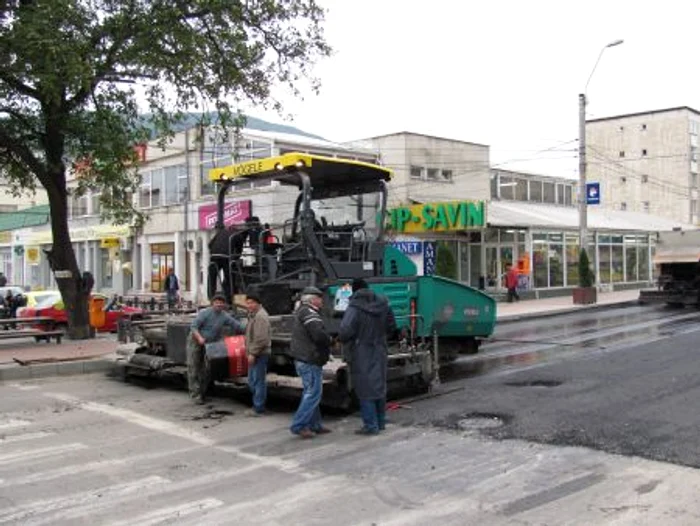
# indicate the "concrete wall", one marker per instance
pixel 643 163
pixel 466 163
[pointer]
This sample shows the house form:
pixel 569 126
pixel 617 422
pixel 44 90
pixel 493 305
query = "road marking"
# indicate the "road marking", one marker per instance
pixel 170 513
pixel 30 510
pixel 22 387
pixel 206 483
pixel 78 469
pixel 25 436
pixel 40 453
pixel 139 419
pixel 170 428
pixel 12 423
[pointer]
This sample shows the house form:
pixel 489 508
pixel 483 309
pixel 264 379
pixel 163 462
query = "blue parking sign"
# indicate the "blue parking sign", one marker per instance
pixel 593 193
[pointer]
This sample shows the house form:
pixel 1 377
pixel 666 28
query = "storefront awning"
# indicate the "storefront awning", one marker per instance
pixel 679 255
pixel 543 216
pixel 94 233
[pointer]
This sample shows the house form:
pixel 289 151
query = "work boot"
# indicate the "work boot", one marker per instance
pixel 363 431
pixel 306 433
pixel 322 431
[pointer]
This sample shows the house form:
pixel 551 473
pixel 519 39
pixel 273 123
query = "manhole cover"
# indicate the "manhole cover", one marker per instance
pixel 479 421
pixel 535 383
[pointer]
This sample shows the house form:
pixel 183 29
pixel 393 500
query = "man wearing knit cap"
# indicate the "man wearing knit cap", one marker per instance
pixel 310 348
pixel 258 343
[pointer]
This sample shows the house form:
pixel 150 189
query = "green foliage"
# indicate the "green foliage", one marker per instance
pixel 446 264
pixel 77 74
pixel 585 275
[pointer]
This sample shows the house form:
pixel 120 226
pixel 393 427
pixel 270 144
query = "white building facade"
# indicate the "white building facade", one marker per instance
pixel 647 162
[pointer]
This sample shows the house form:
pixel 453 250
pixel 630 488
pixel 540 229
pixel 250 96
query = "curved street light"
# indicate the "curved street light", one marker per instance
pixel 583 198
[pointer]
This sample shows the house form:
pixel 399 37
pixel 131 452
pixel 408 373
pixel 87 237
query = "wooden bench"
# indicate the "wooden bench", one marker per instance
pixel 37 335
pixel 43 321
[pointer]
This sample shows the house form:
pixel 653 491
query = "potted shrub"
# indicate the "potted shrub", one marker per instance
pixel 585 293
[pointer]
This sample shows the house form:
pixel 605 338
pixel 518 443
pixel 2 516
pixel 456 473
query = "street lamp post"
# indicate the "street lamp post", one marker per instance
pixel 583 205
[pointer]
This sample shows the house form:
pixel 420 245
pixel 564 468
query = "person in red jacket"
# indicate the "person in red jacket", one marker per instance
pixel 512 283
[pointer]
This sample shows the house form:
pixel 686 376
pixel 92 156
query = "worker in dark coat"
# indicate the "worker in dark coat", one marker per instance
pixel 366 324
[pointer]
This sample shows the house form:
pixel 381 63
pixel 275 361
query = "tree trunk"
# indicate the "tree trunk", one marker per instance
pixel 62 259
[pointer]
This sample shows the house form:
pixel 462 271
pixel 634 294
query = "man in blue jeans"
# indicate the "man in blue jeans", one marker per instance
pixel 310 348
pixel 258 344
pixel 366 324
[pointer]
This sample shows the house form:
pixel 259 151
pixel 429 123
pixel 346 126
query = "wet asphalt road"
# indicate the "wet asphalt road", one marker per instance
pixel 622 381
pixel 92 450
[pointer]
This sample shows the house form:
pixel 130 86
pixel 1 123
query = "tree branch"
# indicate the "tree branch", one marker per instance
pixel 17 85
pixel 20 150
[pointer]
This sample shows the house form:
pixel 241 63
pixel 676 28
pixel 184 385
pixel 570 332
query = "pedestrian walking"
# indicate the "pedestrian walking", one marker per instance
pixel 258 343
pixel 207 327
pixel 512 283
pixel 366 324
pixel 171 286
pixel 310 348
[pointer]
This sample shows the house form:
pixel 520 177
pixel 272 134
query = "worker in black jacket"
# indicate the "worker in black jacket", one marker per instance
pixel 310 348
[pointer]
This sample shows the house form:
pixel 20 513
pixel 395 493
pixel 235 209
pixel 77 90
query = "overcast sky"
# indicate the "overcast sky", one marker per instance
pixel 502 73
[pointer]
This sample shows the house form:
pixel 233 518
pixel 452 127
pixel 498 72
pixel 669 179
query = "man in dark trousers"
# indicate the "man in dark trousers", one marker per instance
pixel 310 348
pixel 172 286
pixel 366 324
pixel 512 283
pixel 207 327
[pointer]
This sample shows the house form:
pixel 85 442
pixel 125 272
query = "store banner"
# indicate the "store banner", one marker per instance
pixel 235 213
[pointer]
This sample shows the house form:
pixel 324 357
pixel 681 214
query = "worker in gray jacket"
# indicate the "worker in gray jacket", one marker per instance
pixel 207 327
pixel 258 345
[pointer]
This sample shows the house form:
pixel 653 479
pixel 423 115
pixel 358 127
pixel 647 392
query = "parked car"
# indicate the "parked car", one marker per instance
pixel 49 304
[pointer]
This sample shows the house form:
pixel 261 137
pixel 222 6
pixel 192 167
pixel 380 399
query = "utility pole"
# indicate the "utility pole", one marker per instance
pixel 583 205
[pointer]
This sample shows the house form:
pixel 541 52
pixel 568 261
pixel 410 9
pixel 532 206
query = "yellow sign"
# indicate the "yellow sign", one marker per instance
pixel 33 255
pixel 78 234
pixel 110 242
pixel 6 237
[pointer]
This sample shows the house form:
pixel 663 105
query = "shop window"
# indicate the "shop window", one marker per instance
pixel 556 265
pixel 572 255
pixel 604 263
pixel 548 193
pixel 106 270
pixel 631 267
pixel 643 259
pixel 162 259
pixel 540 260
pixel 617 264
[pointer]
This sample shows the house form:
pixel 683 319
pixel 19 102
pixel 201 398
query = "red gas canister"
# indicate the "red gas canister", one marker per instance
pixel 237 358
pixel 227 358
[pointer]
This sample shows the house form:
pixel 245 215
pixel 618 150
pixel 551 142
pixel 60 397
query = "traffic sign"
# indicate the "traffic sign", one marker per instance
pixel 593 193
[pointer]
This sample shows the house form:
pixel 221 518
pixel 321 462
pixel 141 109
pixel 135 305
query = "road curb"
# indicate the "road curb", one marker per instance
pixel 48 370
pixel 565 310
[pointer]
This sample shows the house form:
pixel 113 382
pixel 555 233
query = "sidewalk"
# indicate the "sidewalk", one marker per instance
pixel 25 359
pixel 542 308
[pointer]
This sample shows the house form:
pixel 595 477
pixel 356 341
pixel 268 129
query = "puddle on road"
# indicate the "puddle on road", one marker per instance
pixel 480 421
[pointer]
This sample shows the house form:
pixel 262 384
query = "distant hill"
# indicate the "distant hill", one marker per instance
pixel 253 123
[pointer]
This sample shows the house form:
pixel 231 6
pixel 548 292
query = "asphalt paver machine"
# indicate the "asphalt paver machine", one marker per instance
pixel 335 232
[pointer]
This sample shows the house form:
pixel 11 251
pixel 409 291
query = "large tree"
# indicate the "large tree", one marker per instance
pixel 76 76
